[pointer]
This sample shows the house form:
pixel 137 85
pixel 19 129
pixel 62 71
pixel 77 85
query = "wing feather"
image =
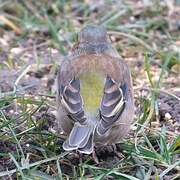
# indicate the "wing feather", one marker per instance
pixel 72 101
pixel 112 105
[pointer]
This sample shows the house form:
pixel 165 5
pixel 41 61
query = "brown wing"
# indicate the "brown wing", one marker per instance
pixel 72 101
pixel 112 105
pixel 81 134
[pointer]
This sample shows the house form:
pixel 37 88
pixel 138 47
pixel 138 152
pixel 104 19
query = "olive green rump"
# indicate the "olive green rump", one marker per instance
pixel 92 85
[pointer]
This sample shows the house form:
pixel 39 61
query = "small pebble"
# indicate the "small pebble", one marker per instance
pixel 167 116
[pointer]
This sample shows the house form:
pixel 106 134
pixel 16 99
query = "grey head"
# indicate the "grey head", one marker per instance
pixel 93 34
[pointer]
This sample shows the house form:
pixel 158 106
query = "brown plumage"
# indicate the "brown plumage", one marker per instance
pixel 110 121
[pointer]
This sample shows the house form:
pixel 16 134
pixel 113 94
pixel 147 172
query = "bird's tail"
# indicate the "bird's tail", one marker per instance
pixel 80 138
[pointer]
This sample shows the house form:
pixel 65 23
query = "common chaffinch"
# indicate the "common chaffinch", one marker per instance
pixel 95 103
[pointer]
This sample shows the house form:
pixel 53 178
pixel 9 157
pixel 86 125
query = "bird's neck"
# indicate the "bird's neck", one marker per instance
pixel 91 48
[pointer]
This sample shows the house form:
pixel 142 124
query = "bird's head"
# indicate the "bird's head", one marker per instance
pixel 93 34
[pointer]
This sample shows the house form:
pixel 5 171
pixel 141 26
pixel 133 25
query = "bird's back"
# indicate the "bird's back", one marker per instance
pixel 92 84
pixel 91 70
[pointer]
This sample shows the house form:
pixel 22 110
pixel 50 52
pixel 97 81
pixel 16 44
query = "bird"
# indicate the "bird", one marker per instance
pixel 95 104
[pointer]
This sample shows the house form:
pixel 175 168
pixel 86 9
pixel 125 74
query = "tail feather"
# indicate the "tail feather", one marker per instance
pixel 88 148
pixel 80 138
pixel 79 134
pixel 67 147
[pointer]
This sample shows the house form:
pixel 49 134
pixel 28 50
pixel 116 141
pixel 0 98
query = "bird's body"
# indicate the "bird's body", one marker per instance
pixel 95 98
pixel 92 84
